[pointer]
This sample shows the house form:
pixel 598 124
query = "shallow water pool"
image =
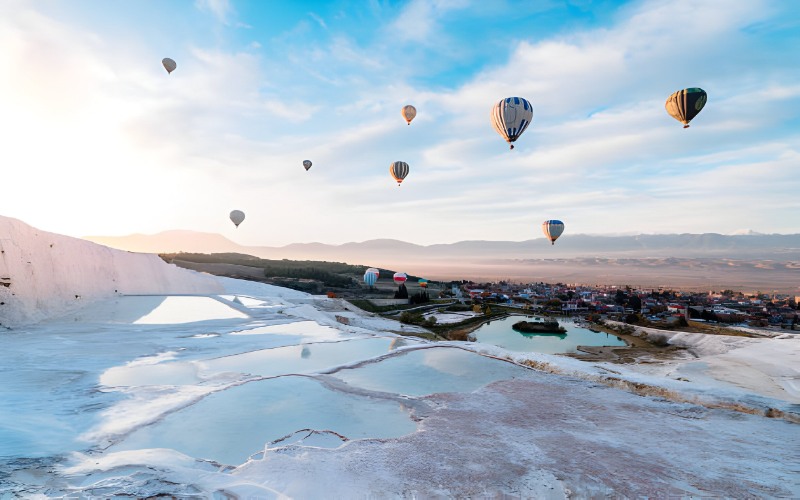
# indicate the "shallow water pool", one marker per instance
pixel 500 333
pixel 431 370
pixel 231 425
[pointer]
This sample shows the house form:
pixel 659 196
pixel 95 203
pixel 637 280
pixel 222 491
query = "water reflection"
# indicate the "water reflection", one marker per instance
pixel 165 370
pixel 501 333
pixel 431 370
pixel 397 343
pixel 231 425
pixel 186 309
pixel 535 336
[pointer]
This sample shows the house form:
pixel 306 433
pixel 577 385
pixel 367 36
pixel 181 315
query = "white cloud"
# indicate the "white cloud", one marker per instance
pixel 318 19
pixel 230 128
pixel 419 21
pixel 221 9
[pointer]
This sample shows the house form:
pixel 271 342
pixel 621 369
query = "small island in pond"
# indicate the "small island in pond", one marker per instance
pixel 539 326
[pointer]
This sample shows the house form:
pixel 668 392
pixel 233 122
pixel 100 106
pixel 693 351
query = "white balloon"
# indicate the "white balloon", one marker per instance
pixel 510 117
pixel 552 229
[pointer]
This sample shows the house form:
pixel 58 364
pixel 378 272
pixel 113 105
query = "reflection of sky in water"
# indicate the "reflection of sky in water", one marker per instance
pixel 293 359
pixel 308 329
pixel 500 333
pixel 300 358
pixel 246 301
pixel 188 309
pixel 431 370
pixel 231 425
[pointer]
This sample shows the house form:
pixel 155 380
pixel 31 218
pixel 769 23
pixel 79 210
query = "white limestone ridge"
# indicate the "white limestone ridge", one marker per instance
pixel 44 274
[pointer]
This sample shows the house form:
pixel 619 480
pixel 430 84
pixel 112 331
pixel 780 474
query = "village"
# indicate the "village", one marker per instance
pixel 637 306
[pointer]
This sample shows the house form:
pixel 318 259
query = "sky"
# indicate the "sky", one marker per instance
pixel 96 138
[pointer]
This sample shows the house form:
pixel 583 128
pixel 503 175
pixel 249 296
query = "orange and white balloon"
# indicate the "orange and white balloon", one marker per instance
pixel 408 112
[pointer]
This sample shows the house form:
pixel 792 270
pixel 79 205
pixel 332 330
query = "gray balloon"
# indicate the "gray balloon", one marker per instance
pixel 169 64
pixel 237 216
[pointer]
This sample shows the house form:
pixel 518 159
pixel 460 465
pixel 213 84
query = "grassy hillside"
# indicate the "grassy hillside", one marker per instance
pixel 307 275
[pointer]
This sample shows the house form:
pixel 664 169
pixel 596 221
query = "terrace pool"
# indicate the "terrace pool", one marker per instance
pixel 500 333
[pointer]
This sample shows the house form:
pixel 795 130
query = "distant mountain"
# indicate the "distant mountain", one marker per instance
pixel 748 246
pixel 701 261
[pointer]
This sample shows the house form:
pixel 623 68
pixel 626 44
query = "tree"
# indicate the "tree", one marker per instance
pixel 553 304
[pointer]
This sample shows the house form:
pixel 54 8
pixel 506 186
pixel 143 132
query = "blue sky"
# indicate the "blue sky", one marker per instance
pixel 99 140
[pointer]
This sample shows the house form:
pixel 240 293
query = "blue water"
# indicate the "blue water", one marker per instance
pixel 500 333
pixel 231 425
pixel 431 370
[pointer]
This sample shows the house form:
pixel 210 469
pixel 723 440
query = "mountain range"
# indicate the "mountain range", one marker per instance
pixel 691 261
pixel 707 245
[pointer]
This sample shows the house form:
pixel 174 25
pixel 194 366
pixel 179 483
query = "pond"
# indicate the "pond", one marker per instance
pixel 230 425
pixel 500 333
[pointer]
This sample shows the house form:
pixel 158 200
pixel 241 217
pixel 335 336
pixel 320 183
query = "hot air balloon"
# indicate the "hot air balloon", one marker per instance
pixel 510 117
pixel 370 278
pixel 375 271
pixel 685 104
pixel 423 282
pixel 307 164
pixel 409 112
pixel 552 229
pixel 400 278
pixel 169 64
pixel 399 171
pixel 237 216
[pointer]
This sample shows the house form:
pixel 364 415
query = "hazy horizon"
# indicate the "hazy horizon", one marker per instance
pixel 744 232
pixel 692 262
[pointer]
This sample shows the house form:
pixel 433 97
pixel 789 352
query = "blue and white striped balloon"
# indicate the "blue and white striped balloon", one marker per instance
pixel 552 229
pixel 511 116
pixel 370 278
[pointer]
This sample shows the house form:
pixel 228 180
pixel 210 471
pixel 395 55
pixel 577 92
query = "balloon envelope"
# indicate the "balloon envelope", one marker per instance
pixel 370 278
pixel 400 278
pixel 552 229
pixel 685 104
pixel 375 271
pixel 510 117
pixel 169 64
pixel 237 216
pixel 409 112
pixel 423 282
pixel 307 164
pixel 399 171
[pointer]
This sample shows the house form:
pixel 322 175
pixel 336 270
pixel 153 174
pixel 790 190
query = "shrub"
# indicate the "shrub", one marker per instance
pixel 633 319
pixel 458 307
pixel 658 339
pixel 406 317
pixel 461 335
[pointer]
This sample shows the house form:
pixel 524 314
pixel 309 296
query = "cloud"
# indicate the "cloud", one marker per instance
pixel 419 21
pixel 318 19
pixel 232 125
pixel 221 9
